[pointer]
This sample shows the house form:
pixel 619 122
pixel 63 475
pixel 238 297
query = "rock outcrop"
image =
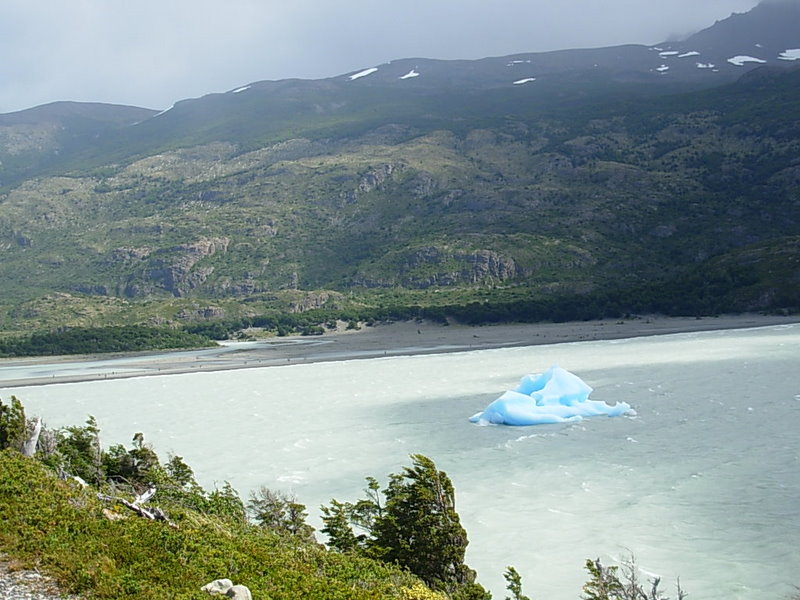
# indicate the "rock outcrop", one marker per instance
pixel 457 267
pixel 225 587
pixel 442 266
pixel 175 269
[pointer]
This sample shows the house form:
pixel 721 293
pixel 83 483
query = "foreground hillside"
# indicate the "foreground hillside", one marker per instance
pixel 119 523
pixel 62 529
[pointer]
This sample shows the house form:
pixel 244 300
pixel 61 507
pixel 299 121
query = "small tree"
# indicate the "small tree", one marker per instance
pixel 514 584
pixel 420 528
pixel 413 523
pixel 225 503
pixel 13 425
pixel 367 511
pixel 179 473
pixel 279 512
pixel 135 466
pixel 606 583
pixel 341 517
pixel 80 453
pixel 337 518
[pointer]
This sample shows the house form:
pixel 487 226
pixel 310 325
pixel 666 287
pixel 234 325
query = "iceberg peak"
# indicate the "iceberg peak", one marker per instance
pixel 555 396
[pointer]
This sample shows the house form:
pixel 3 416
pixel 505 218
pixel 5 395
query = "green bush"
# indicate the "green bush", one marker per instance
pixel 412 523
pixel 89 340
pixel 62 528
pixel 411 544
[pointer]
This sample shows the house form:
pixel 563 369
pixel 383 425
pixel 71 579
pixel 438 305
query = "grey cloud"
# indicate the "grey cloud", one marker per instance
pixel 153 53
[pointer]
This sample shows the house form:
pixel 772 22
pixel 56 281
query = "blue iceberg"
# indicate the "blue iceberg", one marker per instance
pixel 555 396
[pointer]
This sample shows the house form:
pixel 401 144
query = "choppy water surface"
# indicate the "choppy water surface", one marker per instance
pixel 703 484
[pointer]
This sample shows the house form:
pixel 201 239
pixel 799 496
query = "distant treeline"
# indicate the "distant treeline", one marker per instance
pixel 88 340
pixel 311 322
pixel 698 294
pixel 525 310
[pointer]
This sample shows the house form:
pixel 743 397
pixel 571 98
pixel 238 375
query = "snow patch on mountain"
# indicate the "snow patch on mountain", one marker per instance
pixel 363 73
pixel 705 65
pixel 240 90
pixel 662 69
pixel 688 54
pixel 411 74
pixel 740 60
pixel 166 110
pixel 526 80
pixel 790 54
pixel 667 53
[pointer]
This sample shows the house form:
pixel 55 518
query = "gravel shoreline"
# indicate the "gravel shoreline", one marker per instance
pixel 395 339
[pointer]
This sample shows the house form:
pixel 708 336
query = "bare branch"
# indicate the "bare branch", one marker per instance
pixel 29 445
pixel 144 497
pixel 154 514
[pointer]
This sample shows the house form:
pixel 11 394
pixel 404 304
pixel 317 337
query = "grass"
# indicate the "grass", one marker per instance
pixel 62 529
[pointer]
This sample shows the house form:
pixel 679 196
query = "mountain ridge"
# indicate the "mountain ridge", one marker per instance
pixel 585 181
pixel 780 28
pixel 254 111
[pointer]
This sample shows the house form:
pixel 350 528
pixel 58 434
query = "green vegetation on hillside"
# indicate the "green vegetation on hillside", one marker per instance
pixel 74 511
pixel 412 523
pixel 102 549
pixel 759 277
pixel 89 340
pixel 63 530
pixel 543 197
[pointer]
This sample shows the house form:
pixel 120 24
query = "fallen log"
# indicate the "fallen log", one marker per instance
pixel 154 513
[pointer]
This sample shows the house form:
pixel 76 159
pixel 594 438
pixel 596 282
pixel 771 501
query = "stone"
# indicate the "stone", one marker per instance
pixel 239 592
pixel 225 587
pixel 218 586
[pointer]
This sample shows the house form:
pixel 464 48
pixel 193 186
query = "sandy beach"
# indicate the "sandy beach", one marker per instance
pixel 395 339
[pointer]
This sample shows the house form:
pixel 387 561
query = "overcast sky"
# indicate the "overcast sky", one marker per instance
pixel 154 52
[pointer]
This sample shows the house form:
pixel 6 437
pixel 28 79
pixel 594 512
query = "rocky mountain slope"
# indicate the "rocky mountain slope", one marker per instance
pixel 558 172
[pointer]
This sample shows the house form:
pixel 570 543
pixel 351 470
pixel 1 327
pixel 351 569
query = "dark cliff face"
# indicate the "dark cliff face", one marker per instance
pixel 433 266
pixel 768 29
pixel 173 270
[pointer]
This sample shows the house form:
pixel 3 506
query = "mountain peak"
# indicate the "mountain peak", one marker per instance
pixel 779 2
pixel 770 20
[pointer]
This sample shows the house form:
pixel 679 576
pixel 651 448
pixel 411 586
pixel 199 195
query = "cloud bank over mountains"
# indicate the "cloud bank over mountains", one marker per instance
pixel 152 54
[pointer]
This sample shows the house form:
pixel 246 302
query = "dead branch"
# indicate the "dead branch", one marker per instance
pixel 29 445
pixel 154 514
